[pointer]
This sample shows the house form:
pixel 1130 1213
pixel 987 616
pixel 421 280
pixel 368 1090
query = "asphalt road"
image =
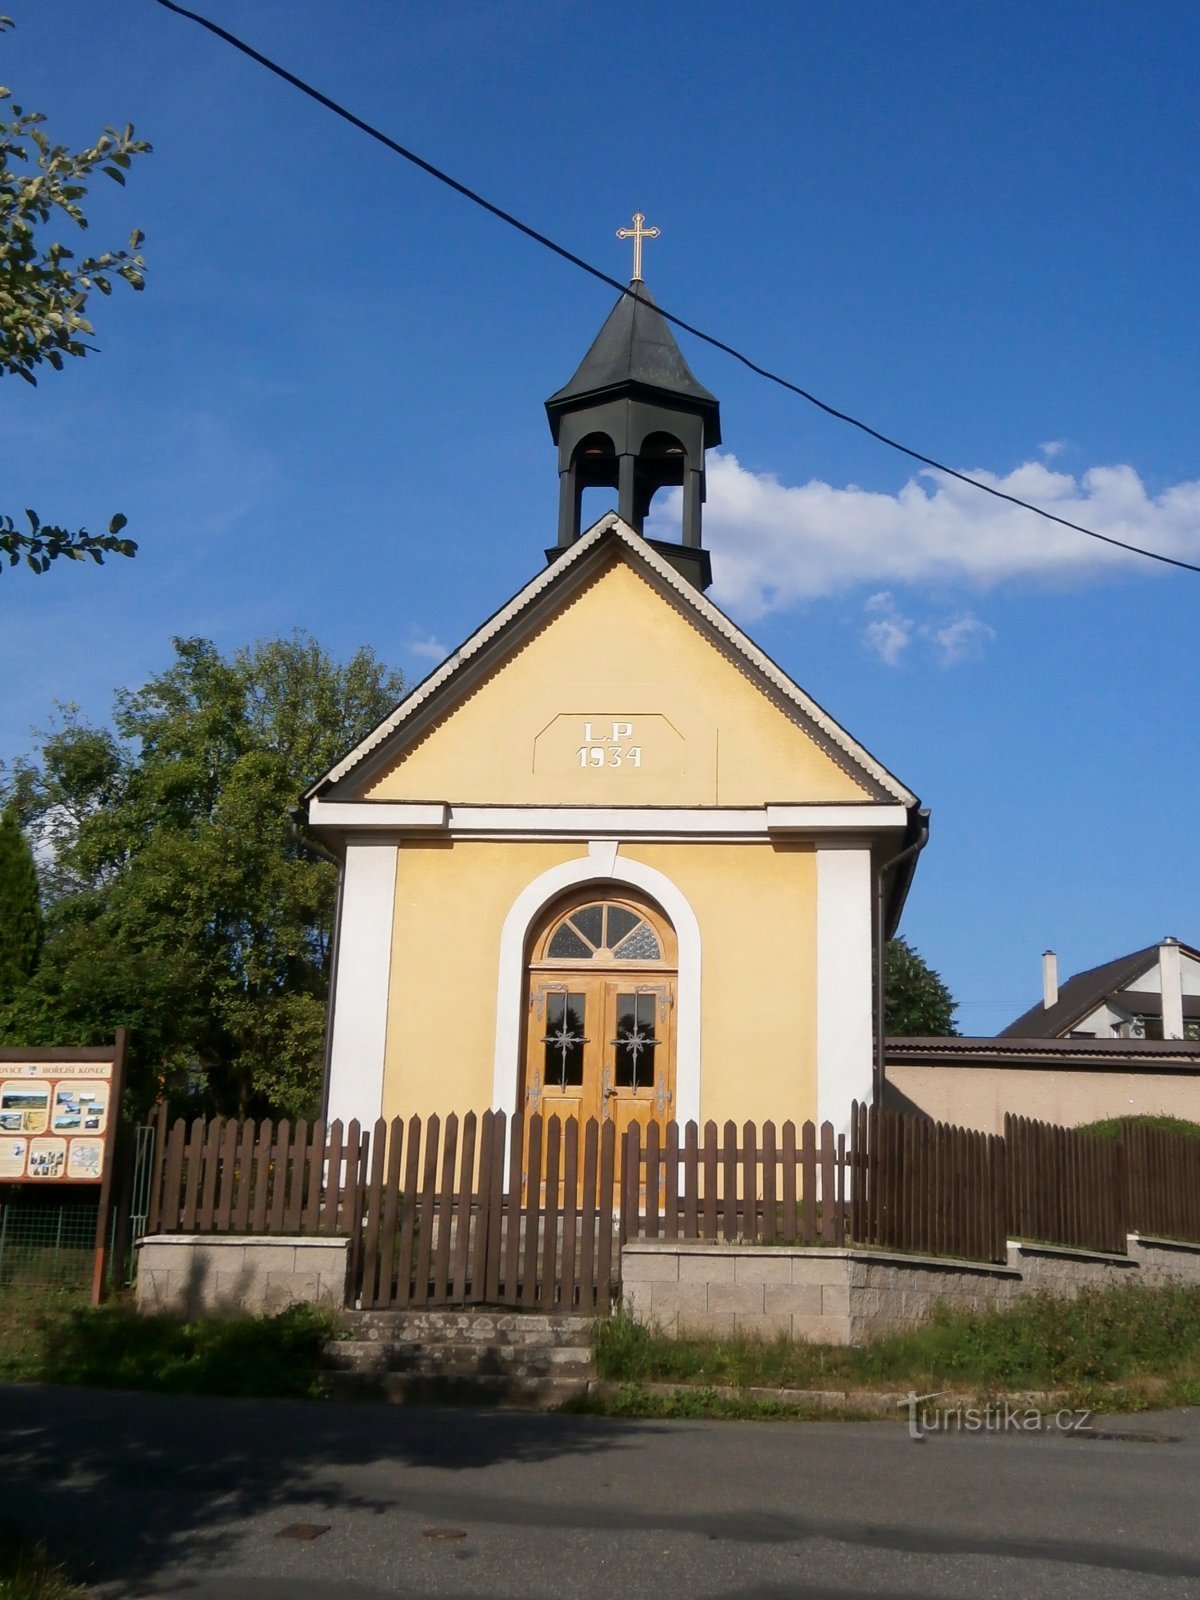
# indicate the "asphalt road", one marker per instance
pixel 150 1495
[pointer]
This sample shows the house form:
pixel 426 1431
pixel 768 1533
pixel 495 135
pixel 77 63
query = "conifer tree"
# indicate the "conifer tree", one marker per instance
pixel 20 907
pixel 915 1000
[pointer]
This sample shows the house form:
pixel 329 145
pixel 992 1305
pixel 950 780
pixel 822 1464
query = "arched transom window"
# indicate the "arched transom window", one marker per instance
pixel 604 931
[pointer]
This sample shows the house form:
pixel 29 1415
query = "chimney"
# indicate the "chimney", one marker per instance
pixel 1170 977
pixel 1049 979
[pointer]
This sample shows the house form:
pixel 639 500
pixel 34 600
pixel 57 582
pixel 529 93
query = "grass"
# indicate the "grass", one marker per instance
pixel 27 1573
pixel 58 1339
pixel 699 1404
pixel 24 1314
pixel 1130 1345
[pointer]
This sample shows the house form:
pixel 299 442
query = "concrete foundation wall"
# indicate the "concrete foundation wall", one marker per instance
pixel 210 1275
pixel 851 1296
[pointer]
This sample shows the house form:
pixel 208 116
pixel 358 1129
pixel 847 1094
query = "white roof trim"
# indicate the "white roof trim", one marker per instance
pixel 553 574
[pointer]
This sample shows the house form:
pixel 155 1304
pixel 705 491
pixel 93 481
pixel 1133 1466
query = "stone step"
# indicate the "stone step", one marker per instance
pixel 478 1389
pixel 498 1327
pixel 473 1357
pixel 396 1350
pixel 384 1356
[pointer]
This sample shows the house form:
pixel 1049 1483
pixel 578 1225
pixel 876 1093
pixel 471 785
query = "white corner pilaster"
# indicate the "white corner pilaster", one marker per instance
pixel 844 982
pixel 362 983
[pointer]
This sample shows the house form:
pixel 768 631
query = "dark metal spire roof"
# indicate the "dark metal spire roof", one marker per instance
pixel 634 347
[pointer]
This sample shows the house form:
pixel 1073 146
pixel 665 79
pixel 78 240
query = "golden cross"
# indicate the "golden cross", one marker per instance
pixel 637 233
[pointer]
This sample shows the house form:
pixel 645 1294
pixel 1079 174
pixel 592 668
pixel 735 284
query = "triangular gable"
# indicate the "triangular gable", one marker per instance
pixel 543 600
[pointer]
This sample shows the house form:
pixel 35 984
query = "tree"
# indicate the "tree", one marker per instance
pixel 182 899
pixel 20 907
pixel 44 290
pixel 916 1003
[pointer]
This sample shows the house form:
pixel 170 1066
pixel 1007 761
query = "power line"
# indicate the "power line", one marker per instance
pixel 698 333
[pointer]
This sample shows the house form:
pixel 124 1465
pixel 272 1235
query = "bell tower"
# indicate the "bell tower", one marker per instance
pixel 634 419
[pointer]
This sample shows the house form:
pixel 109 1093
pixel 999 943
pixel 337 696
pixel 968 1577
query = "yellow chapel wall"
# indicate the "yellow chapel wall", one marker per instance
pixel 708 733
pixel 617 653
pixel 756 909
pixel 451 901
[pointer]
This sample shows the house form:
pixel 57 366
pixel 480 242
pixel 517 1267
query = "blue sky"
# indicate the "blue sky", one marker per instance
pixel 976 227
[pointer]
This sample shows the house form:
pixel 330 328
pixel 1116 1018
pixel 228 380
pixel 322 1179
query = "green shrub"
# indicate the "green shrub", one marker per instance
pixel 1110 1127
pixel 1118 1335
pixel 115 1348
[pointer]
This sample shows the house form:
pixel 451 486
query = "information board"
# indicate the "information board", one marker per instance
pixel 56 1115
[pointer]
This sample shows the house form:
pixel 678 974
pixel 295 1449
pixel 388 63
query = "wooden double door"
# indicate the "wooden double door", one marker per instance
pixel 600 1038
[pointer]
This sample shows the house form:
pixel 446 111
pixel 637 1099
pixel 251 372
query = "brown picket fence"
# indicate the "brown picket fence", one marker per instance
pixel 1162 1182
pixel 223 1175
pixel 926 1187
pixel 485 1209
pixel 446 1212
pixel 755 1185
pixel 1065 1187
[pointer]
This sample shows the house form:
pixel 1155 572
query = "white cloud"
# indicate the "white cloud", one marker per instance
pixel 963 639
pixel 427 649
pixel 1052 448
pixel 890 632
pixel 775 545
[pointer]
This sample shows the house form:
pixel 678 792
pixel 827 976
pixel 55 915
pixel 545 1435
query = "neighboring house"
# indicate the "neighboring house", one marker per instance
pixel 1122 1039
pixel 609 859
pixel 1151 994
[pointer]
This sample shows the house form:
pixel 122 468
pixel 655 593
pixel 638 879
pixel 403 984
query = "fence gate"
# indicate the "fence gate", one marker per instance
pixel 468 1211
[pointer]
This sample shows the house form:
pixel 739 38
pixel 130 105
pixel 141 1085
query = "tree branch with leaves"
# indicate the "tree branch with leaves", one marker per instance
pixel 44 288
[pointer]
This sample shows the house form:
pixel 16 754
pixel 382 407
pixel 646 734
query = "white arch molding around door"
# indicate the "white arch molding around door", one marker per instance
pixel 602 864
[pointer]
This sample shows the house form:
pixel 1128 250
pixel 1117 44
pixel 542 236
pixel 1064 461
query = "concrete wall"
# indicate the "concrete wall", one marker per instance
pixel 851 1296
pixel 191 1275
pixel 978 1097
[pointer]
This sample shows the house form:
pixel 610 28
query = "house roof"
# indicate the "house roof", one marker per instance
pixel 1080 1054
pixel 542 595
pixel 634 347
pixel 1082 993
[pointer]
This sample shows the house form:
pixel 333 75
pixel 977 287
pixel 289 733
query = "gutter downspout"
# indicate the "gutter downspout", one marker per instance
pixel 918 821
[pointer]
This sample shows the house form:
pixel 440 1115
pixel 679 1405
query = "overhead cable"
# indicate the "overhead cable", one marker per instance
pixel 615 283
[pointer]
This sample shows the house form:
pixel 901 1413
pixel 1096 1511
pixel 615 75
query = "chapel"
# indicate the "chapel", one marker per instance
pixel 608 859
